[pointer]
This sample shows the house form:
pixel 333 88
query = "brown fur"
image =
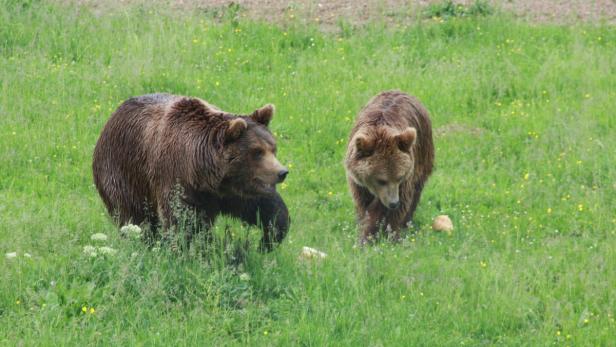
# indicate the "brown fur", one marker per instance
pixel 388 161
pixel 222 163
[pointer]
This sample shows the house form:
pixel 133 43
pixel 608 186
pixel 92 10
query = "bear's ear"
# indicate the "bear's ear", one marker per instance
pixel 263 115
pixel 364 146
pixel 406 139
pixel 235 129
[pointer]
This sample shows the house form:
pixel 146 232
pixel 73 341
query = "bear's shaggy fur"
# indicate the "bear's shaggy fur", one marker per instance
pixel 160 148
pixel 389 158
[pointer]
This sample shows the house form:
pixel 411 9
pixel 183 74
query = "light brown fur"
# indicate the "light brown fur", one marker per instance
pixel 389 158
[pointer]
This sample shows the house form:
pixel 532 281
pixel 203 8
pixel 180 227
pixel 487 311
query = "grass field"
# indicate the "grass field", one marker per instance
pixel 525 156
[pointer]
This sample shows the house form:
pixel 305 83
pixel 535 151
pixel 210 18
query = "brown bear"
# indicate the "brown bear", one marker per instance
pixel 160 149
pixel 389 158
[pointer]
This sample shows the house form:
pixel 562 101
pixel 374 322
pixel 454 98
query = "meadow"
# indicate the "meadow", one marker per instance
pixel 525 136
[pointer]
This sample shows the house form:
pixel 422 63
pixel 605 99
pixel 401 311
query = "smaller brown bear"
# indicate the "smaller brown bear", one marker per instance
pixel 221 162
pixel 389 158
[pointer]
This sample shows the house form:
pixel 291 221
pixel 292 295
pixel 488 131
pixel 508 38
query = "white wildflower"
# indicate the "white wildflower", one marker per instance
pixel 98 237
pixel 90 251
pixel 245 277
pixel 27 255
pixel 131 231
pixel 11 255
pixel 107 250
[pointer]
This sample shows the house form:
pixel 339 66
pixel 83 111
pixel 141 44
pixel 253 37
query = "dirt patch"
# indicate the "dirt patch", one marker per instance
pixel 564 11
pixel 334 13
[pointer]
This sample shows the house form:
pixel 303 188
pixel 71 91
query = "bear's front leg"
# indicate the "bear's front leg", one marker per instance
pixel 368 211
pixel 273 216
pixel 269 213
pixel 393 223
pixel 371 222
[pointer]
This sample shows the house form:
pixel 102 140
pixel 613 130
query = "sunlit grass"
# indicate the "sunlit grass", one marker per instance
pixel 525 168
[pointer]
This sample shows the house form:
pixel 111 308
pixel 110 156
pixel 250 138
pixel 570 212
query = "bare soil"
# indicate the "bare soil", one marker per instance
pixel 330 13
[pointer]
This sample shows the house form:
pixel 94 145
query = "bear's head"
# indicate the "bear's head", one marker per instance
pixel 380 160
pixel 250 154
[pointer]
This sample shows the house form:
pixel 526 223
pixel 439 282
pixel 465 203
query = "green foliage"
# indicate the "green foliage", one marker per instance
pixel 448 8
pixel 525 147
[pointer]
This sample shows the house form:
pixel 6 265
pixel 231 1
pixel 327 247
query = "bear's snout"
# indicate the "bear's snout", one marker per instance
pixel 393 205
pixel 282 174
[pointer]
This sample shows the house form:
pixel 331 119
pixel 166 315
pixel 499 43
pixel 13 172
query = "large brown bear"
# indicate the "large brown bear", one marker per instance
pixel 158 149
pixel 389 158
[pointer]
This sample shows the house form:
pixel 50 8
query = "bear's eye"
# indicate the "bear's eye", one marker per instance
pixel 257 153
pixel 381 182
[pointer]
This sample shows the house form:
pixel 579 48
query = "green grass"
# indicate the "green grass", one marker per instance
pixel 525 168
pixel 448 8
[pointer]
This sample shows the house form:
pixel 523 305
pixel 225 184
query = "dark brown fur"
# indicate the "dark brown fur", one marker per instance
pixel 389 159
pixel 221 162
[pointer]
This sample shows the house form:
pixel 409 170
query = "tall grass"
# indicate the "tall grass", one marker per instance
pixel 525 124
